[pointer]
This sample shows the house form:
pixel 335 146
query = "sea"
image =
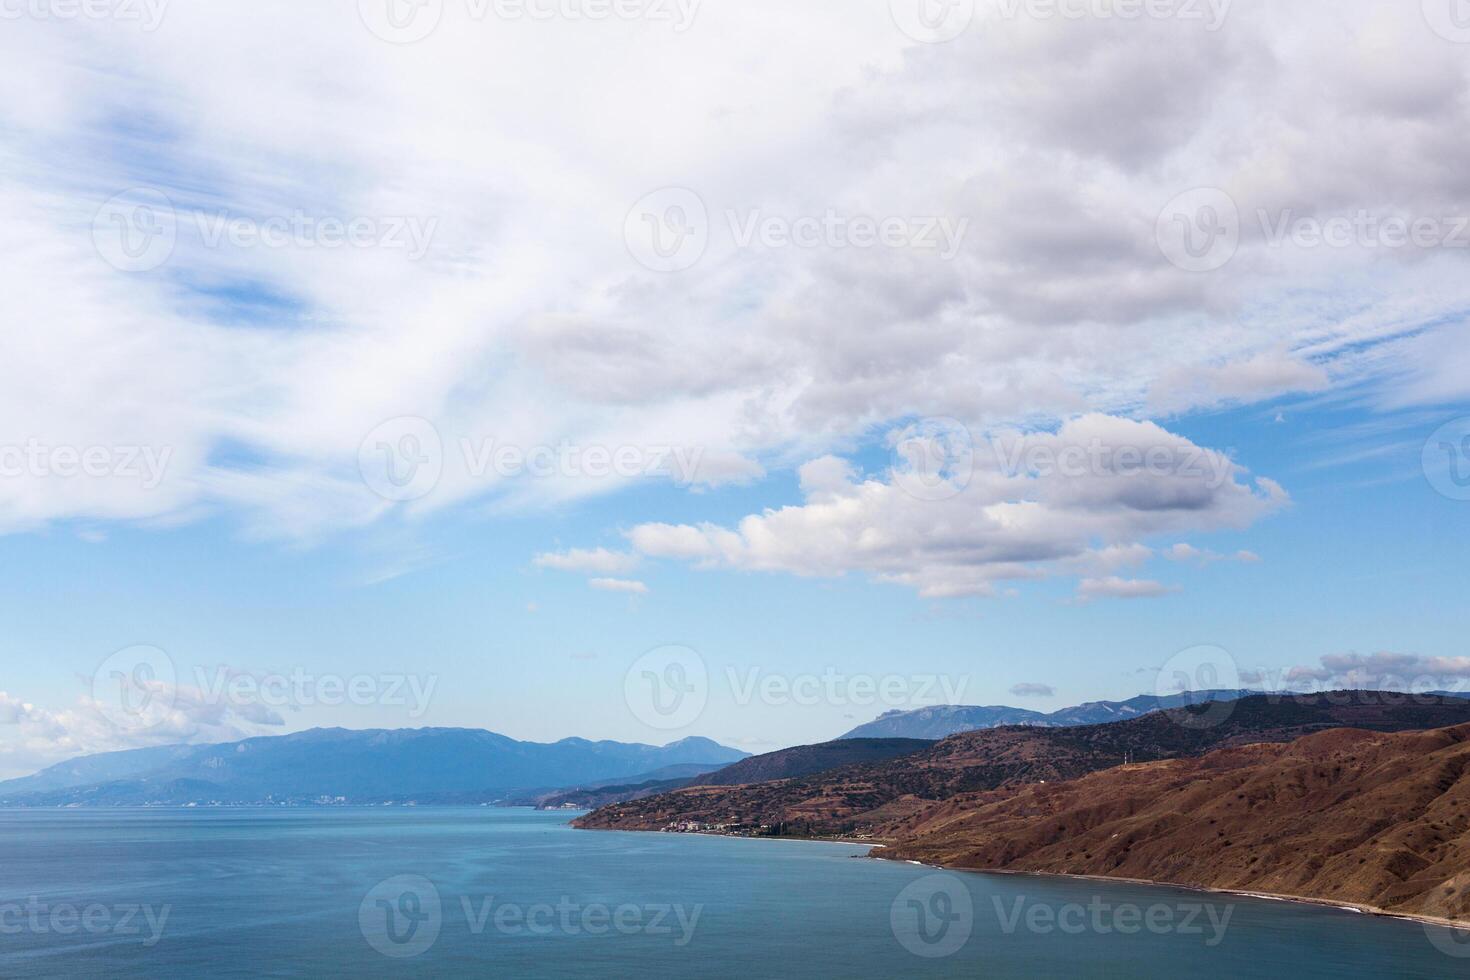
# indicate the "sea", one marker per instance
pixel 487 892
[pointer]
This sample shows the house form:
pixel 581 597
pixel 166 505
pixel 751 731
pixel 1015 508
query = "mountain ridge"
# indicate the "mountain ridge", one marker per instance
pixel 942 721
pixel 373 765
pixel 882 800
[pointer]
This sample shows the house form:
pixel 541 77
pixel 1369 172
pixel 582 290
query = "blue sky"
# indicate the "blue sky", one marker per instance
pixel 271 291
pixel 1365 559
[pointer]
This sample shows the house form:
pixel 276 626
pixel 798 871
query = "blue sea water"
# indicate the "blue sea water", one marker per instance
pixel 517 893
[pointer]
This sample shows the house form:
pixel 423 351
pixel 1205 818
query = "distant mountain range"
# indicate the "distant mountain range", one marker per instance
pixel 946 720
pixel 886 799
pixel 431 765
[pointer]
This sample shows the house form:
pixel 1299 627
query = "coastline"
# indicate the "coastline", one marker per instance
pixel 1359 908
pixel 716 833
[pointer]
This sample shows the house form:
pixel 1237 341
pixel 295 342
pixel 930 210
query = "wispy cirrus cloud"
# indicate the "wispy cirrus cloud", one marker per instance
pixel 519 316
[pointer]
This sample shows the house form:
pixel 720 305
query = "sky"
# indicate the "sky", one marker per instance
pixel 742 370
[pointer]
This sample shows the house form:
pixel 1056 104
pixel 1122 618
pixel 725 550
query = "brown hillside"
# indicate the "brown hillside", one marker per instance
pixel 803 760
pixel 1346 815
pixel 883 799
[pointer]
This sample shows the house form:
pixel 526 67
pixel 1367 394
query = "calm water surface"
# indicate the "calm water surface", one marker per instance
pixel 481 892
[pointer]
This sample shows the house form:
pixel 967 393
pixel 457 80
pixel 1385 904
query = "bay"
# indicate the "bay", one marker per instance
pixel 460 892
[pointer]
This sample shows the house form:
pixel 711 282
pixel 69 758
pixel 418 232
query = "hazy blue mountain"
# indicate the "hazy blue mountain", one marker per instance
pixel 946 720
pixel 425 765
pixel 105 767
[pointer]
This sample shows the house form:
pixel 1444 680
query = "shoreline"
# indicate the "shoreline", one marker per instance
pixel 1358 908
pixel 715 833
